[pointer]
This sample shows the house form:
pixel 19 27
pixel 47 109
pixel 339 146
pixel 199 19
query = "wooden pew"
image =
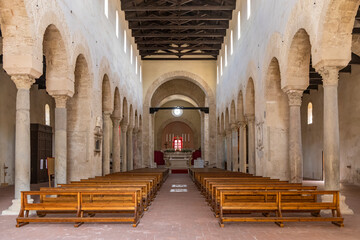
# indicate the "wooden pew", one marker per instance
pixel 278 203
pixel 78 204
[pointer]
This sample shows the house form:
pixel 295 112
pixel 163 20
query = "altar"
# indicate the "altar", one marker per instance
pixel 178 160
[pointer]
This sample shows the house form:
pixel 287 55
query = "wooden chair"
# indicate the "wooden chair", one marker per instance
pixel 50 168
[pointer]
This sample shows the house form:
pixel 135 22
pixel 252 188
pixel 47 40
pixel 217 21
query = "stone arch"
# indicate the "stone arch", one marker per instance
pixel 180 75
pixel 19 39
pixel 250 98
pixel 232 112
pixel 209 151
pixel 335 28
pixel 277 125
pixel 183 120
pixel 140 122
pixel 125 113
pixel 222 123
pixel 78 123
pixel 136 120
pixel 240 107
pixel 107 105
pixel 117 103
pixel 131 116
pixel 58 81
pixel 227 119
pixel 298 62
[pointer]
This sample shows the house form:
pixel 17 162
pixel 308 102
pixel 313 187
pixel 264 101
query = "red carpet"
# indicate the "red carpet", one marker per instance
pixel 179 171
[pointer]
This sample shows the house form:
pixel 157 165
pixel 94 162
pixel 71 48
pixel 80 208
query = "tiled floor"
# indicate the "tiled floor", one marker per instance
pixel 183 215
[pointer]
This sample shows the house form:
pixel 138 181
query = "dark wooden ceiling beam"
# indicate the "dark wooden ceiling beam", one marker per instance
pixel 176 35
pixel 148 53
pixel 177 18
pixel 180 42
pixel 178 59
pixel 140 48
pixel 177 8
pixel 179 27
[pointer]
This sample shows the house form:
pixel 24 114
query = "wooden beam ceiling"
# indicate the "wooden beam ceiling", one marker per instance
pixel 178 28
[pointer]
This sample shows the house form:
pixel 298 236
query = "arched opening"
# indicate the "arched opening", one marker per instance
pixel 115 163
pixel 277 125
pixel 107 124
pixel 178 93
pixel 123 143
pixel 250 118
pixel 310 113
pixel 227 143
pixel 78 123
pixel 47 115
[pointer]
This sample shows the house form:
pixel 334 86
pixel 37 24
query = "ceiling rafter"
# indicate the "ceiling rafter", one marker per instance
pixel 178 28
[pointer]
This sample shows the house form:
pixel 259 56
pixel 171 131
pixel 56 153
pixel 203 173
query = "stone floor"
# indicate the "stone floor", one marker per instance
pixel 183 215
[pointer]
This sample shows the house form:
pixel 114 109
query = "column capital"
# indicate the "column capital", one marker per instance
pixel 241 124
pixel 250 118
pixel 60 100
pixel 23 81
pixel 123 127
pixel 294 96
pixel 115 119
pixel 234 127
pixel 330 75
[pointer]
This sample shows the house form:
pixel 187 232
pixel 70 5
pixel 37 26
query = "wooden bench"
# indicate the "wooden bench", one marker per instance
pixel 278 203
pixel 215 197
pixel 78 204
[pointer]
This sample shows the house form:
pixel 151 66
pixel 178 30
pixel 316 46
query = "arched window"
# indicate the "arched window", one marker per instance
pixel 177 143
pixel 221 66
pixel 310 113
pixel 117 24
pixel 125 41
pixel 106 8
pixel 239 25
pixel 231 42
pixel 131 54
pixel 47 115
pixel 226 60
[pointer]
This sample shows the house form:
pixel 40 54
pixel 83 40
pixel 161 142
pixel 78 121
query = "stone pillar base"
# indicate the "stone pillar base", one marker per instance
pixel 14 209
pixel 344 208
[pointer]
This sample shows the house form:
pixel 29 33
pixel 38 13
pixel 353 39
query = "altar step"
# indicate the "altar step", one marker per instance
pixel 179 171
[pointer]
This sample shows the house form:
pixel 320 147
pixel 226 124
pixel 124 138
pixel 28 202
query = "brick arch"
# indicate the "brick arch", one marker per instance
pixel 58 79
pixel 277 124
pixel 240 107
pixel 183 120
pixel 298 62
pixel 335 28
pixel 250 98
pixel 180 75
pixel 79 123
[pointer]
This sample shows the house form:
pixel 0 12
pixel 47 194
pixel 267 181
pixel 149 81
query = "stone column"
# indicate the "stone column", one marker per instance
pixel 331 128
pixel 295 144
pixel 251 143
pixel 140 153
pixel 123 147
pixel 228 149
pixel 135 148
pixel 234 148
pixel 220 153
pixel 242 147
pixel 130 153
pixel 205 149
pixel 22 137
pixel 106 143
pixel 22 140
pixel 61 139
pixel 116 145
